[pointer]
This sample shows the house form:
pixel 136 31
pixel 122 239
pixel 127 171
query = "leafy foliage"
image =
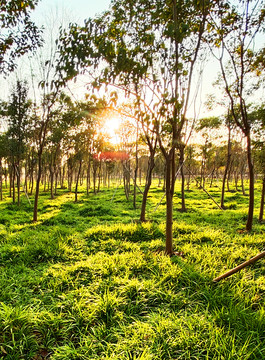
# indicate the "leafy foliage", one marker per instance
pixel 19 34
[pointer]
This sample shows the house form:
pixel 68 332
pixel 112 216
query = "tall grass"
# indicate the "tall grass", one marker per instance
pixel 89 282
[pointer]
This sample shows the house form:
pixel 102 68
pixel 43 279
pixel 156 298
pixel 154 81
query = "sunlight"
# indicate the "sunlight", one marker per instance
pixel 111 127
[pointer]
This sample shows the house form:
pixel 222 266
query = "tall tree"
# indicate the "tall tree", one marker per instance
pixel 258 116
pixel 149 49
pixel 18 114
pixel 236 27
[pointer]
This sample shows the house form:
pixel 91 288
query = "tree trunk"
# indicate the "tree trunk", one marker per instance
pixel 35 211
pixel 10 179
pixel 88 177
pixel 56 181
pixel 14 183
pixel 251 185
pixel 70 179
pixel 242 182
pixel 181 163
pixel 108 178
pixel 228 178
pixel 26 177
pixel 136 168
pixel 151 165
pixel 99 174
pixel 62 174
pixel 31 179
pixel 125 181
pixel 135 182
pixel 52 179
pixel 18 182
pixel 6 174
pixel 228 160
pixel 52 184
pixel 261 211
pixel 169 206
pixel 236 180
pixel 202 174
pixel 77 179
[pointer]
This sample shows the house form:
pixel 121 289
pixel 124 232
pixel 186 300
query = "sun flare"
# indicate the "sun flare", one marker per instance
pixel 111 127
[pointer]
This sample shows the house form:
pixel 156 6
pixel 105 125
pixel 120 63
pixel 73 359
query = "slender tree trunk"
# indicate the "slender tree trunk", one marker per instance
pixel 88 177
pixel 261 211
pixel 45 183
pixel 136 168
pixel 6 174
pixel 236 180
pixel 35 210
pixel 52 180
pixel 10 180
pixel 94 175
pixel 77 179
pixel 81 178
pixel 125 182
pixel 202 173
pixel 18 182
pixel 181 163
pixel 151 165
pixel 70 177
pixel 212 176
pixel 14 183
pixel 169 206
pixel 26 176
pixel 99 174
pixel 56 181
pixel 108 178
pixel 242 181
pixel 31 182
pixel 62 172
pixel 228 177
pixel 228 160
pixel 251 185
pixel 31 177
pixel 135 182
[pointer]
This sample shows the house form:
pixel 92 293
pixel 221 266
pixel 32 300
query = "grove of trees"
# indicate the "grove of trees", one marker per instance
pixel 143 60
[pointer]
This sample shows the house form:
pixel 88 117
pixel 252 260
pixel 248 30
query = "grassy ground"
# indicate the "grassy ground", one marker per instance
pixel 88 282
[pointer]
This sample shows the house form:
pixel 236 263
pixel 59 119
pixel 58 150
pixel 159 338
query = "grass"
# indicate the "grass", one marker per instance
pixel 87 281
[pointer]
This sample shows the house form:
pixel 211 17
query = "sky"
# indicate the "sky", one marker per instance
pixel 46 11
pixel 66 11
pixel 78 10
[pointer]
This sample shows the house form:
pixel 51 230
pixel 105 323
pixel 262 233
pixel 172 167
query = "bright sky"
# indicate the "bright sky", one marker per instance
pixel 78 10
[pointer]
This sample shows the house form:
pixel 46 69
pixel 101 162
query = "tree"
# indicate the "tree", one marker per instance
pixel 18 114
pixel 259 150
pixel 208 127
pixel 62 120
pixel 19 34
pixel 149 49
pixel 236 27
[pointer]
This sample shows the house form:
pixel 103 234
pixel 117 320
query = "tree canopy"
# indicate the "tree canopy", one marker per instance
pixel 18 33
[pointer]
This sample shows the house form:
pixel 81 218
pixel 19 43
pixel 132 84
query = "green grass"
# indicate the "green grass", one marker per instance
pixel 87 281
